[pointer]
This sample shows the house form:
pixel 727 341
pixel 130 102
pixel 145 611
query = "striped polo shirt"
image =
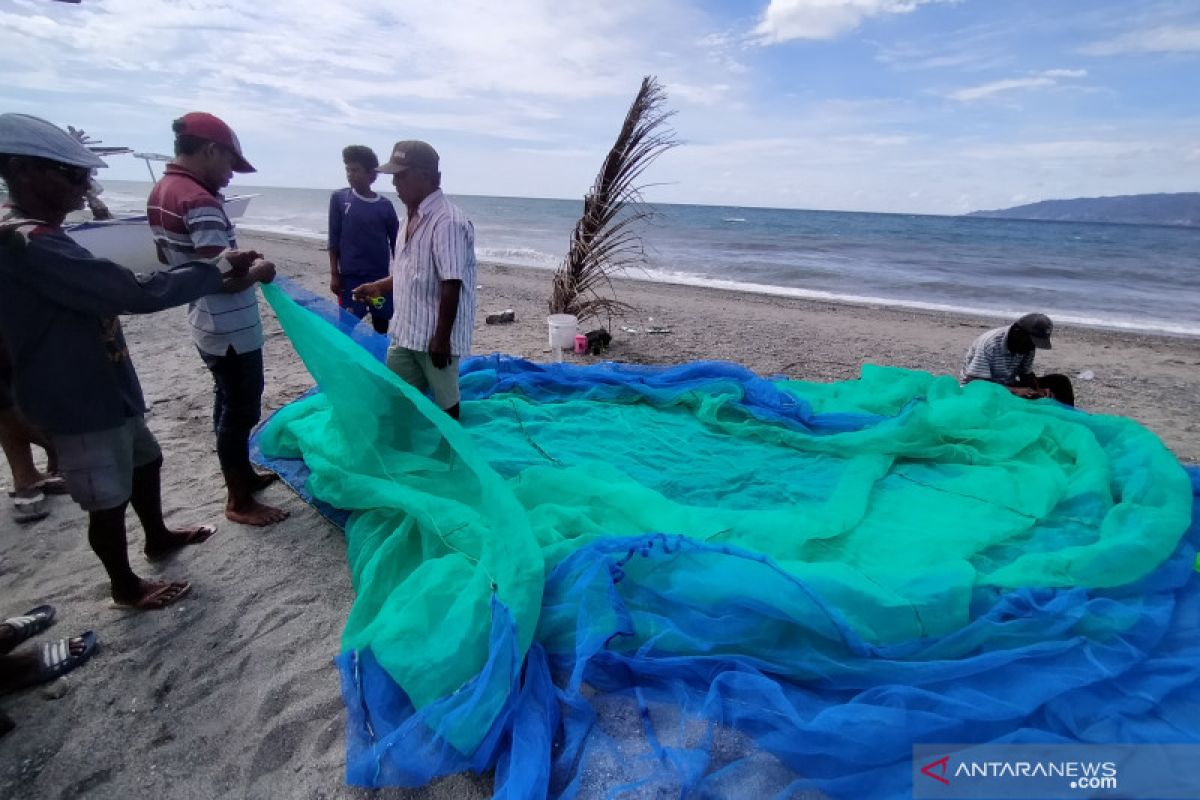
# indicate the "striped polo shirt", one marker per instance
pixel 186 218
pixel 440 247
pixel 990 359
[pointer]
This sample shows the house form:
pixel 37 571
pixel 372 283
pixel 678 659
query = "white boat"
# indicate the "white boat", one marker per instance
pixel 127 239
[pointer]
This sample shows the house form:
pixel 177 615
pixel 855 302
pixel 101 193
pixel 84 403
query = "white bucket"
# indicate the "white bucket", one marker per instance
pixel 562 332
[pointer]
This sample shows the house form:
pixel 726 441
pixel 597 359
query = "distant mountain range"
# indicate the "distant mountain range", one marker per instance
pixel 1135 209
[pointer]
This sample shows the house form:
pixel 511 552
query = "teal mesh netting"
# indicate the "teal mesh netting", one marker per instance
pixel 694 579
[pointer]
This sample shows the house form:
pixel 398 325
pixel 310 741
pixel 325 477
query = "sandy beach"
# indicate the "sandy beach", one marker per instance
pixel 231 693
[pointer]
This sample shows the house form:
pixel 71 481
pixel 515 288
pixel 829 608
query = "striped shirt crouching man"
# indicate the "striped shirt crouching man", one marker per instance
pixel 1005 356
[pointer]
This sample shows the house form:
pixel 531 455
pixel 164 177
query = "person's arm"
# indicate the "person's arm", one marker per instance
pixel 209 230
pixel 261 271
pixel 439 346
pixel 70 276
pixel 97 207
pixel 334 242
pixel 380 288
pixel 393 226
pixel 1028 381
pixel 978 365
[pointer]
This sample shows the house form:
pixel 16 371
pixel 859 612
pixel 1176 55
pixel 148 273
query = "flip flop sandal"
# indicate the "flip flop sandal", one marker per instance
pixel 29 506
pixel 56 658
pixel 198 535
pixel 166 595
pixel 31 623
pixel 54 484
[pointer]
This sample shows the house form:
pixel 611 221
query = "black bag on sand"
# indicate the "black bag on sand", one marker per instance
pixel 598 341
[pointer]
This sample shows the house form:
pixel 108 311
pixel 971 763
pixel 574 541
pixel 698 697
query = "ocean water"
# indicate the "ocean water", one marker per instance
pixel 1139 277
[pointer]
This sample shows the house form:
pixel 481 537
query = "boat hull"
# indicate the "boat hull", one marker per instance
pixel 128 241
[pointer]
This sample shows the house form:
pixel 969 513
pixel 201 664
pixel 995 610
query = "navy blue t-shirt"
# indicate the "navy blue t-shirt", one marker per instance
pixel 362 232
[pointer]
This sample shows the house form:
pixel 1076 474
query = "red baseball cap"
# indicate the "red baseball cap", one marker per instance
pixel 213 129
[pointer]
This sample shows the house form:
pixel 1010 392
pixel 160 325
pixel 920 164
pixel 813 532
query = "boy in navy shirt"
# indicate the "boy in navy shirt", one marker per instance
pixel 362 236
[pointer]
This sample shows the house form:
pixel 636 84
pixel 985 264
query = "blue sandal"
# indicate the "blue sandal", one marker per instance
pixel 31 623
pixel 56 658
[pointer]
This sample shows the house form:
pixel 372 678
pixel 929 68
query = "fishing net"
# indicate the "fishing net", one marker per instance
pixel 617 580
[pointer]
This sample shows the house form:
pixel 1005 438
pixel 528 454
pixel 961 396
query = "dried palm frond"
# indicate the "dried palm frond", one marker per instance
pixel 605 240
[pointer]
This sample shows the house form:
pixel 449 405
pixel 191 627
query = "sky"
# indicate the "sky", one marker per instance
pixel 907 106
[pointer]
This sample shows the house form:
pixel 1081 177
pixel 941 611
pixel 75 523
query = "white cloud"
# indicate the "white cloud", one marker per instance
pixel 996 87
pixel 700 95
pixel 523 98
pixel 475 66
pixel 909 58
pixel 1042 80
pixel 785 20
pixel 1164 39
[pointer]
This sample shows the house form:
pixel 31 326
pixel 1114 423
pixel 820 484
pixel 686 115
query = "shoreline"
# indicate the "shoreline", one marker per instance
pixel 1151 377
pixel 665 278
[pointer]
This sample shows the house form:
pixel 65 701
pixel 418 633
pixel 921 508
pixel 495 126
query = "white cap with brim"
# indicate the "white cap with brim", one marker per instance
pixel 26 135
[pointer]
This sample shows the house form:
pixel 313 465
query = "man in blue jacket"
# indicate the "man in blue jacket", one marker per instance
pixel 72 373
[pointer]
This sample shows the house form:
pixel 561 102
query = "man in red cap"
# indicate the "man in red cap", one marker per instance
pixel 187 216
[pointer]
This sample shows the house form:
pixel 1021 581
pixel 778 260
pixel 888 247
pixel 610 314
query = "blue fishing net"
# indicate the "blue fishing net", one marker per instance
pixel 630 581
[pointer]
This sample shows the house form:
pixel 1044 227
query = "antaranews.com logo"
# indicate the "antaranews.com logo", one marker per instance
pixel 1059 770
pixel 1075 774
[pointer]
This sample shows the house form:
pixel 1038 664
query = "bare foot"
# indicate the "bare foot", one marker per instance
pixel 151 595
pixel 173 541
pixel 252 512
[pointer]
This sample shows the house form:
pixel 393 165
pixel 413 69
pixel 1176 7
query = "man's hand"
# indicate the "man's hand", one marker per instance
pixel 364 292
pixel 1026 392
pixel 335 284
pixel 262 271
pixel 439 351
pixel 241 260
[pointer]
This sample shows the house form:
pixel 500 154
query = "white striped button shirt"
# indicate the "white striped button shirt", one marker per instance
pixel 990 359
pixel 439 247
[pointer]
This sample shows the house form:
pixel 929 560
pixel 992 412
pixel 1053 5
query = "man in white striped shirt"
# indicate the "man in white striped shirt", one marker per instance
pixel 432 279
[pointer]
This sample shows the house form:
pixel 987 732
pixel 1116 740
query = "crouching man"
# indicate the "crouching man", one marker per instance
pixel 1005 356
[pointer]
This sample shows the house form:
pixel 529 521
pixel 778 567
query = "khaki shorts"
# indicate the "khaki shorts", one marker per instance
pixel 98 467
pixel 416 369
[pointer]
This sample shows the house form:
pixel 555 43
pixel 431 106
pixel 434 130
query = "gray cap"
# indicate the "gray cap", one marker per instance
pixel 1039 327
pixel 25 135
pixel 410 154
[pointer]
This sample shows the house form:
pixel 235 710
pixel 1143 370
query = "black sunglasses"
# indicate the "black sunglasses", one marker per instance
pixel 76 175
